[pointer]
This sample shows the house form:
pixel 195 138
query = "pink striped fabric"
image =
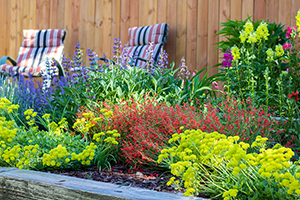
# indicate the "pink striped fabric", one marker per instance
pixel 143 35
pixel 36 47
pixel 140 37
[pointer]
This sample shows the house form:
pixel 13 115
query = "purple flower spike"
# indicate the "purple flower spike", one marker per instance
pixel 228 57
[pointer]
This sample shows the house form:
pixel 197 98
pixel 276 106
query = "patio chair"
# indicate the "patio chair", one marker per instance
pixel 38 45
pixel 139 39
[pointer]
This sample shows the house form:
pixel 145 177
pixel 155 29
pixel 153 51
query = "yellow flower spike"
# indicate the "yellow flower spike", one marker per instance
pixel 46 116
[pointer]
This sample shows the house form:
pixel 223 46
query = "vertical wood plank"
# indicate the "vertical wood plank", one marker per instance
pixel 99 29
pixel 67 18
pixel 53 14
pixel 224 14
pixel 32 14
pixel 46 14
pixel 26 15
pixel 161 11
pixel 125 21
pixel 151 12
pixel 143 7
pixel 82 24
pixel 90 27
pixel 19 23
pixel 272 10
pixel 8 29
pixel 13 49
pixel 247 9
pixel 74 25
pixel 181 31
pixel 2 25
pixel 60 14
pixel 116 18
pixel 260 10
pixel 107 37
pixel 191 46
pixel 213 27
pixel 39 11
pixel 202 34
pixel 223 17
pixel 236 10
pixel 284 9
pixel 134 13
pixel 171 20
pixel 295 6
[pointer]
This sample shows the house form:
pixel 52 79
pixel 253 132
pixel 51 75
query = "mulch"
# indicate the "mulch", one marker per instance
pixel 124 176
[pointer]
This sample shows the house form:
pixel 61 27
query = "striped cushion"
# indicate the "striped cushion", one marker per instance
pixel 140 37
pixel 143 35
pixel 6 69
pixel 36 47
pixel 43 38
pixel 142 52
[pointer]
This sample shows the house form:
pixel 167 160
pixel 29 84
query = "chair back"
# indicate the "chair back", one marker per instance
pixel 140 37
pixel 36 47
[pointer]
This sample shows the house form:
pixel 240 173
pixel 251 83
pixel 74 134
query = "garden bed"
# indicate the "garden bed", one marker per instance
pixel 123 176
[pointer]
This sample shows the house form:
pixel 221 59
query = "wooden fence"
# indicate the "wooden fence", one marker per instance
pixel 95 23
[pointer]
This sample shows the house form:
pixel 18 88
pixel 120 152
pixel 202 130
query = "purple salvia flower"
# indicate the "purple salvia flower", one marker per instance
pixel 116 50
pixel 184 73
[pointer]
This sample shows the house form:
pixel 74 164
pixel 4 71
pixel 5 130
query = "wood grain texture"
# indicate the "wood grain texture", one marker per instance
pixel 134 13
pixel 181 30
pixel 213 27
pixel 191 45
pixel 247 9
pixel 236 9
pixel 284 7
pixel 2 25
pixel 98 28
pixel 272 10
pixel 161 11
pixel 202 34
pixel 125 21
pixel 116 17
pixel 107 37
pixel 13 49
pixel 171 21
pixel 19 23
pixel 260 9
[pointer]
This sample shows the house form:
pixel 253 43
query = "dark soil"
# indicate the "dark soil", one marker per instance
pixel 123 176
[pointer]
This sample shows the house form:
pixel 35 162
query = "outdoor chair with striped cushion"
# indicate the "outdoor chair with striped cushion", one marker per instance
pixel 38 45
pixel 140 37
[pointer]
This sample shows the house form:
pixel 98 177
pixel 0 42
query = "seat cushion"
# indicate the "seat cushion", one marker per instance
pixel 25 71
pixel 144 35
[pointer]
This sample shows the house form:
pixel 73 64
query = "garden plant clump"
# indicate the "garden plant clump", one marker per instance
pixel 239 142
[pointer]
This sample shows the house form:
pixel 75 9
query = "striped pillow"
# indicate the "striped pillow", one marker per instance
pixel 143 35
pixel 36 47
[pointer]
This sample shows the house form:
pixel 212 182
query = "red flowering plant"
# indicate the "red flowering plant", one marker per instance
pixel 145 127
pixel 239 118
pixel 294 122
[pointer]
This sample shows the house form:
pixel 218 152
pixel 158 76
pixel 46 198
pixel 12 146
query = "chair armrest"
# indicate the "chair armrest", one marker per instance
pixel 107 60
pixel 61 71
pixel 5 58
pixel 142 59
